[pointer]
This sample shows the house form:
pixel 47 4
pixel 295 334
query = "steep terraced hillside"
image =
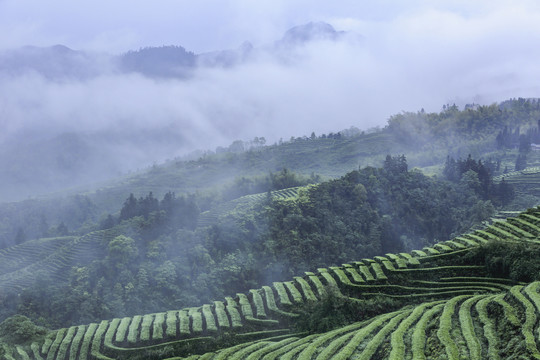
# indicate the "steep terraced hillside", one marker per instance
pixel 49 257
pixel 441 306
pixel 525 181
pixel 211 217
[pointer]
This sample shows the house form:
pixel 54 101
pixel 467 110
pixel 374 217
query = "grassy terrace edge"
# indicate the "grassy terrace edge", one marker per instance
pixel 268 315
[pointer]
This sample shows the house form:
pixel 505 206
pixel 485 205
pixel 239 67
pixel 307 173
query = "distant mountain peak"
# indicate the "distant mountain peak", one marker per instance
pixel 54 49
pixel 163 61
pixel 246 47
pixel 317 30
pixel 59 48
pixel 172 61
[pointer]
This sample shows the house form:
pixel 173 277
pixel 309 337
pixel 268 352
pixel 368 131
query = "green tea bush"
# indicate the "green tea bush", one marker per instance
pixel 20 329
pixel 518 261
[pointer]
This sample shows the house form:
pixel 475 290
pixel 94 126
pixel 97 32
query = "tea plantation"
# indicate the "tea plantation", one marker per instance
pixel 440 302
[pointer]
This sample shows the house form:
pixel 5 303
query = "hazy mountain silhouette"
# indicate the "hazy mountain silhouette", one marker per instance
pixel 54 62
pixel 40 156
pixel 312 31
pixel 60 62
pixel 164 61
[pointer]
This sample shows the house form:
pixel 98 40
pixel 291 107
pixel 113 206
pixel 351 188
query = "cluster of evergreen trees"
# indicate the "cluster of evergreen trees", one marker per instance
pixel 508 139
pixel 478 176
pixel 182 210
pixel 452 125
pixel 282 179
pixel 512 138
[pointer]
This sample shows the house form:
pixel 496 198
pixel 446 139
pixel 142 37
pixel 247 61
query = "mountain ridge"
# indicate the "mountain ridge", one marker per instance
pixel 59 62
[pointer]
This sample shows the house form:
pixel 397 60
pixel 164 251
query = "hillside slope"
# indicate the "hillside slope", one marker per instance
pixel 425 138
pixel 439 302
pixel 24 265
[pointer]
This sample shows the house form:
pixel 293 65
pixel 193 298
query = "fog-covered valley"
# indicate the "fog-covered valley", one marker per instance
pixel 116 112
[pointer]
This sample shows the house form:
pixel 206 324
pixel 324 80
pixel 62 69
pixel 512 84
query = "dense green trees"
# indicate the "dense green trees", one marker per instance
pixel 162 261
pixel 501 122
pixel 19 329
pixel 513 260
pixel 478 176
pixel 183 211
pixel 521 162
pixel 365 213
pixel 282 179
pixel 48 217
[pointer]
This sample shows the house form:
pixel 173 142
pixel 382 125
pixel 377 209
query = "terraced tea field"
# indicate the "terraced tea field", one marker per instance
pixel 210 217
pixel 49 257
pixel 524 181
pixel 451 311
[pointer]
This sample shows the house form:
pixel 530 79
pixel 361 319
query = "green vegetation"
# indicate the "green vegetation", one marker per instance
pixel 512 260
pixel 74 344
pixel 419 335
pixel 353 318
pixel 397 341
pixel 490 332
pixel 530 320
pixel 379 273
pixel 97 340
pixel 283 297
pixel 374 344
pixel 85 347
pixel 196 320
pixel 19 329
pixel 509 312
pixel 306 289
pixel 184 322
pixel 157 329
pixel 158 246
pixel 66 342
pixel 133 334
pixel 445 326
pixel 145 253
pixel 122 329
pixel 222 319
pixel 364 270
pixel 467 327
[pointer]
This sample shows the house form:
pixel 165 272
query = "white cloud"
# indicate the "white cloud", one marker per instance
pixel 414 54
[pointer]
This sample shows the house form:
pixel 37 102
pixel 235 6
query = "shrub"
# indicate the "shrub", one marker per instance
pixel 19 329
pixel 518 261
pixel 330 312
pixel 335 310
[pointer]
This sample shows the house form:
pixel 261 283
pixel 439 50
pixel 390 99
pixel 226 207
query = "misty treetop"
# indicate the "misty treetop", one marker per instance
pixel 158 259
pixel 426 138
pixel 478 176
pixel 474 122
pixel 368 211
pixel 160 62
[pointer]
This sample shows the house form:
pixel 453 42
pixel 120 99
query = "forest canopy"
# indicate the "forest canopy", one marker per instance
pixel 160 258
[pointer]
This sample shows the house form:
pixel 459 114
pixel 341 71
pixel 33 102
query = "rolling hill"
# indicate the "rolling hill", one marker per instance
pixel 438 302
pixel 475 296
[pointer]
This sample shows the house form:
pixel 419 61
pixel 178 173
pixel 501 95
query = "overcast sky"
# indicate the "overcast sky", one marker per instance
pixel 414 54
pixel 204 25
